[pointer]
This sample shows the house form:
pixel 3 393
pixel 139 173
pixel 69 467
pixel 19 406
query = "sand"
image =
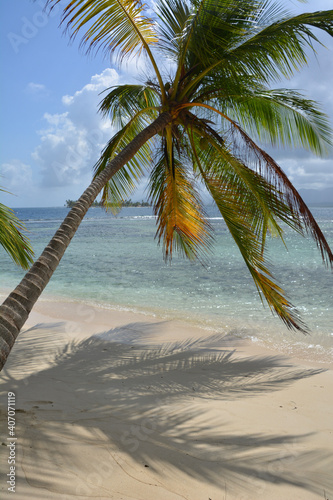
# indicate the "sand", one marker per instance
pixel 117 405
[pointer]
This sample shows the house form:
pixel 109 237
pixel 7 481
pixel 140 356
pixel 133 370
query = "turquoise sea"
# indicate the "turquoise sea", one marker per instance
pixel 115 263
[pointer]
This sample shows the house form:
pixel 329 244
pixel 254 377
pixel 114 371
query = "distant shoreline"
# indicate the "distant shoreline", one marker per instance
pixel 310 205
pixel 126 203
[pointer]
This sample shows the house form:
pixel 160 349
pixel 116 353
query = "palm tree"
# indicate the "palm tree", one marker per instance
pixel 198 123
pixel 12 238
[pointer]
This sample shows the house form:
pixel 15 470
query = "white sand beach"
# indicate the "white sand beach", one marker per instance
pixel 117 405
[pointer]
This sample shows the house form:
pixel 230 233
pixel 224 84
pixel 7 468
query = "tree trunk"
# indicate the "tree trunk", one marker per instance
pixel 16 308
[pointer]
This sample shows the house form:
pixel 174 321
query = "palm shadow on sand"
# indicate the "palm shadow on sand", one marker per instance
pixel 150 404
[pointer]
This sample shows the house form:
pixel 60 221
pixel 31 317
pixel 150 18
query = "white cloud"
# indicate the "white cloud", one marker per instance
pixel 98 83
pixel 36 88
pixel 16 175
pixel 70 144
pixel 73 138
pixel 311 173
pixel 72 141
pixel 17 179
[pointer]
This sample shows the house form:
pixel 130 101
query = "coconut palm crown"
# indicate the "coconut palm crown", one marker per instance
pixel 200 122
pixel 223 56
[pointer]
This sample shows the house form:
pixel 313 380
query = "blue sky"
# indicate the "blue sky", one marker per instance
pixel 51 134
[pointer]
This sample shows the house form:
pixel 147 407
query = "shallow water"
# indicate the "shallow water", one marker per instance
pixel 114 262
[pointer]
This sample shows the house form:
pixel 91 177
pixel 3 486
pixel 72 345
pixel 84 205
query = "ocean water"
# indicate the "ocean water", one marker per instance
pixel 115 263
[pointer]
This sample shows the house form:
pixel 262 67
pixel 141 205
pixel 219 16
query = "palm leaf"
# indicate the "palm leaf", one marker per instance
pixel 124 182
pixel 120 27
pixel 235 193
pixel 280 48
pixel 269 168
pixel 215 151
pixel 180 215
pixel 233 38
pixel 12 238
pixel 174 16
pixel 124 101
pixel 279 116
pixel 116 25
pixel 242 224
pixel 244 146
pixel 132 107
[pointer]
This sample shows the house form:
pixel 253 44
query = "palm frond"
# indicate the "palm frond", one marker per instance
pixel 281 117
pixel 242 224
pixel 124 182
pixel 12 239
pixel 211 150
pixel 180 216
pixel 124 101
pixel 174 16
pixel 235 193
pixel 271 171
pixel 132 107
pixel 279 49
pixel 233 39
pixel 245 147
pixel 118 26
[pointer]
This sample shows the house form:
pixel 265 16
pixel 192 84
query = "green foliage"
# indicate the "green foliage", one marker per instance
pixel 226 55
pixel 132 107
pixel 126 203
pixel 12 238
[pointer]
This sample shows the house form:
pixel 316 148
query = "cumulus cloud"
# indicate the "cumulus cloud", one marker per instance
pixel 72 141
pixel 312 173
pixel 16 175
pixel 97 84
pixel 17 179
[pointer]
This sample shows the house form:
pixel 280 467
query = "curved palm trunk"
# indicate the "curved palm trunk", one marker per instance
pixel 16 308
